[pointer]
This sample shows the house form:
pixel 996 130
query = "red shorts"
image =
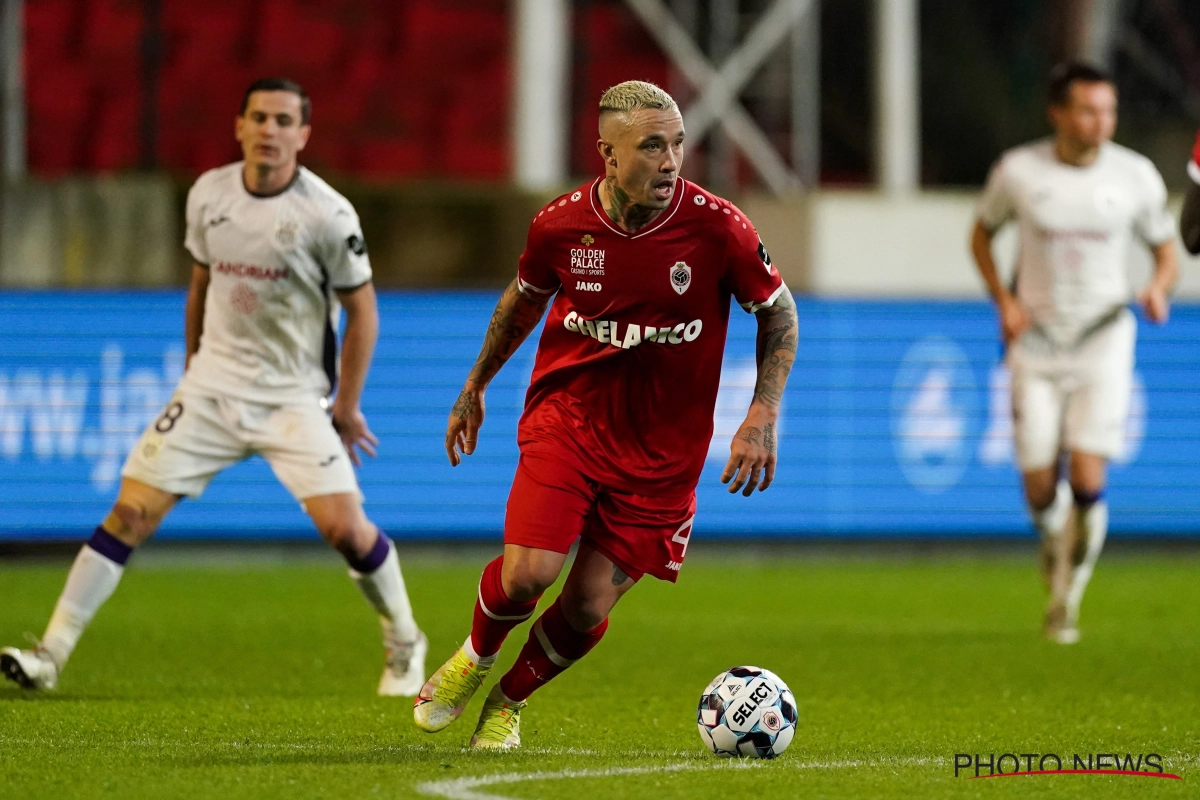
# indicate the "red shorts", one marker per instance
pixel 552 504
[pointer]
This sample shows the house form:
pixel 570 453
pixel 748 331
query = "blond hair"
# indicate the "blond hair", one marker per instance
pixel 635 96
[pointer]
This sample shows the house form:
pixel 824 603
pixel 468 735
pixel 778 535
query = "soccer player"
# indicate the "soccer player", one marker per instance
pixel 276 251
pixel 1079 201
pixel 1189 220
pixel 638 268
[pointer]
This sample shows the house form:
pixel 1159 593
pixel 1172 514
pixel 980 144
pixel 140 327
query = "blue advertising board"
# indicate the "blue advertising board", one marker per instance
pixel 896 422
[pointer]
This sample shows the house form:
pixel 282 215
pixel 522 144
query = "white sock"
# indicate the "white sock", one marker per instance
pixel 1092 527
pixel 483 661
pixel 384 590
pixel 1052 520
pixel 91 581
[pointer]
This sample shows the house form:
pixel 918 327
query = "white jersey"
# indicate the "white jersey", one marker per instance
pixel 1076 226
pixel 274 261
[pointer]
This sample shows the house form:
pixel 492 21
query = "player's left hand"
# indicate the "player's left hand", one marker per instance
pixel 1154 300
pixel 752 453
pixel 351 425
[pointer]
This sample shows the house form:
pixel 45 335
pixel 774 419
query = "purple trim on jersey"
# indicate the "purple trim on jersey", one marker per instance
pixel 372 560
pixel 109 546
pixel 1087 499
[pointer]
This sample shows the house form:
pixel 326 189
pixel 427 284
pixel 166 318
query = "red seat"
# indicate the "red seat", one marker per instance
pixel 389 158
pixel 199 35
pixel 292 34
pixel 112 31
pixel 52 30
pixel 58 104
pixel 114 135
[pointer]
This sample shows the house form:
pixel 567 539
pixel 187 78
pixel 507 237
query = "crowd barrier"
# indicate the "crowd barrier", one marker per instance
pixel 896 423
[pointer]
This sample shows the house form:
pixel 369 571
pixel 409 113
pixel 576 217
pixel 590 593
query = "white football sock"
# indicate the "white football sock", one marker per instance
pixel 91 581
pixel 1052 520
pixel 1051 524
pixel 1091 527
pixel 483 661
pixel 385 591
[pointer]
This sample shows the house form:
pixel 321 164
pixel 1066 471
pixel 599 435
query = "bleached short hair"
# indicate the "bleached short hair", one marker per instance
pixel 635 96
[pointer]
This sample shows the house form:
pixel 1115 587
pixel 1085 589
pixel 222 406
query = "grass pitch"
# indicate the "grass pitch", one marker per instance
pixel 256 680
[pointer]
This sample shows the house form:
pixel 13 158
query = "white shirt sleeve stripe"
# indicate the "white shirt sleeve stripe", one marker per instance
pixel 525 286
pixel 754 308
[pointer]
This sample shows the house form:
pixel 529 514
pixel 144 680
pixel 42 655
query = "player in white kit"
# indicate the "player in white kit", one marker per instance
pixel 277 254
pixel 1079 202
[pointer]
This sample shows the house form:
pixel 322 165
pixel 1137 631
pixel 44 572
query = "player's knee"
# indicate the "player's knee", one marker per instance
pixel 1086 491
pixel 584 612
pixel 345 536
pixel 132 524
pixel 1040 497
pixel 525 580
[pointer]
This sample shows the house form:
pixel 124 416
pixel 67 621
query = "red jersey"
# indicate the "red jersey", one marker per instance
pixel 629 362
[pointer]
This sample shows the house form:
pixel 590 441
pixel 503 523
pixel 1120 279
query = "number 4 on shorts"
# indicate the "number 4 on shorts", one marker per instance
pixel 682 539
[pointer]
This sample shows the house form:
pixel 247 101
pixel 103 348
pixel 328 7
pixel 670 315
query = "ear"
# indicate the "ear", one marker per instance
pixel 239 122
pixel 305 131
pixel 607 152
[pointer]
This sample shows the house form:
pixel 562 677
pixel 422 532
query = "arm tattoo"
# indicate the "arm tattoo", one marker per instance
pixel 778 332
pixel 515 316
pixel 769 437
pixel 619 576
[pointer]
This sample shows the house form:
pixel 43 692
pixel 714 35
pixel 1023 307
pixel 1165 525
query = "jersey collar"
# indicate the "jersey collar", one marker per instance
pixel 676 202
pixel 268 195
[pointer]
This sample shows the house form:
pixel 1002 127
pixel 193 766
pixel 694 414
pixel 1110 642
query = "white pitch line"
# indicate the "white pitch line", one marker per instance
pixel 464 788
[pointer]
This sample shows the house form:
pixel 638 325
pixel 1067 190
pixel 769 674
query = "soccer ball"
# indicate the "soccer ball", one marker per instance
pixel 747 711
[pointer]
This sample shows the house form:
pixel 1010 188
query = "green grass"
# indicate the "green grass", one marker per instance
pixel 257 681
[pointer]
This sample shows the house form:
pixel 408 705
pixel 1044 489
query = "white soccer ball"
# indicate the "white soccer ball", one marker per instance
pixel 747 711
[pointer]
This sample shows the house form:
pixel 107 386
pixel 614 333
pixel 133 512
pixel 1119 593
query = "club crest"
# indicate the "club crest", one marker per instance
pixel 285 233
pixel 681 277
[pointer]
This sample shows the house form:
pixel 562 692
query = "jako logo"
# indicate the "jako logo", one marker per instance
pixel 584 286
pixel 52 408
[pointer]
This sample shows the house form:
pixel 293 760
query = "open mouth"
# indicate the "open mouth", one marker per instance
pixel 663 189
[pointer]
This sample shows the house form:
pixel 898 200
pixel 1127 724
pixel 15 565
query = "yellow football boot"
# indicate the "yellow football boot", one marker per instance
pixel 446 693
pixel 499 725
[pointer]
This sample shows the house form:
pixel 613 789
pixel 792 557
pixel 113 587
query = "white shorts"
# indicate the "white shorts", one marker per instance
pixel 197 436
pixel 1072 399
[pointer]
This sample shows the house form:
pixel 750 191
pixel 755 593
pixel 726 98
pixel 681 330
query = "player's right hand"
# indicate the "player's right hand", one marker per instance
pixel 1014 319
pixel 466 418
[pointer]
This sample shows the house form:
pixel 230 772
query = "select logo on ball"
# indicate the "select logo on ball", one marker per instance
pixel 747 712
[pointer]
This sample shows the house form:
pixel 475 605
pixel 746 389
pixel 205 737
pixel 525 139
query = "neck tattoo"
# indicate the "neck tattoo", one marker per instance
pixel 623 211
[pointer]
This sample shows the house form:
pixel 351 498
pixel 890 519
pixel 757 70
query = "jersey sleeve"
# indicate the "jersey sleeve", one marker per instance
pixel 346 251
pixel 193 238
pixel 1154 223
pixel 996 206
pixel 750 275
pixel 535 275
